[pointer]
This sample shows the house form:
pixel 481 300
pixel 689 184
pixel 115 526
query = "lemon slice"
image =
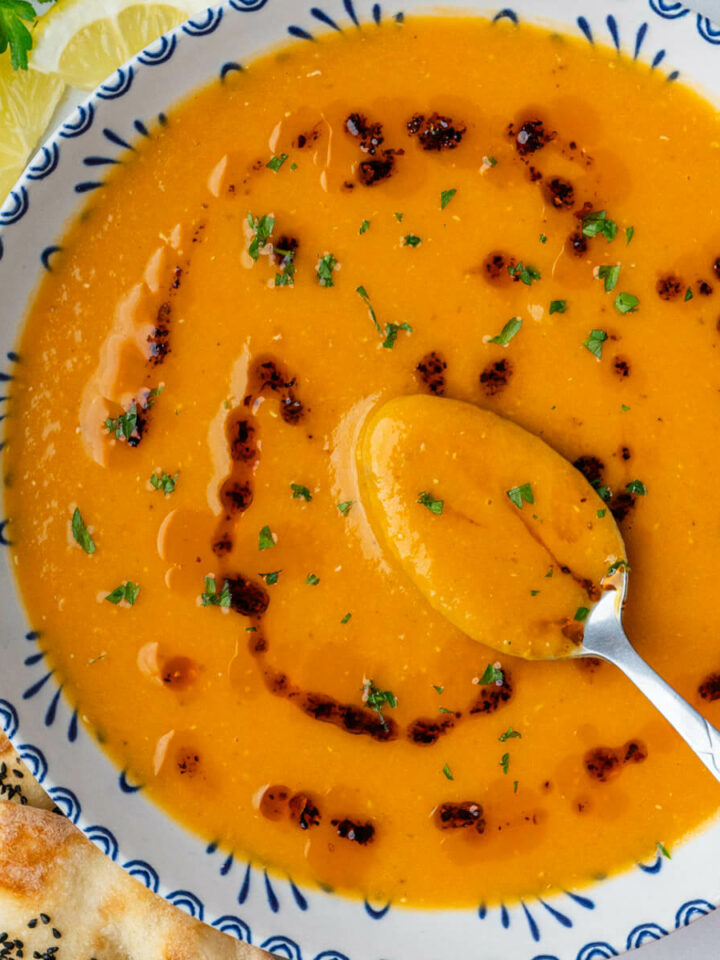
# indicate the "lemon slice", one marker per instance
pixel 27 101
pixel 85 40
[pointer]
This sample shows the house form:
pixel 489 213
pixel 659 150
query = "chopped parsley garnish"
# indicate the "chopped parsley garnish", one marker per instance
pixel 489 161
pixel 399 216
pixel 164 482
pixel 428 500
pixel 448 772
pixel 601 513
pixel 637 487
pixel 275 163
pixel 126 591
pixel 300 492
pixel 688 295
pixel 123 426
pixel 344 507
pixel 626 303
pixel 624 407
pixel 492 674
pixel 286 276
pixel 272 577
pixel 81 534
pixel 411 240
pixel 558 306
pixel 505 762
pixel 211 598
pixel 325 269
pixel 293 166
pixel 438 689
pixel 446 196
pixel 265 538
pixel 509 733
pixel 603 492
pixel 543 238
pixel 516 783
pixel 581 614
pixel 346 618
pixel 507 332
pixel 526 274
pixel 518 494
pixel 376 699
pixel 594 342
pixel 663 850
pixel 262 228
pixel 14 33
pixel 391 332
pixel 617 565
pixel 363 294
pixel 364 226
pixel 444 710
pixel 549 573
pixel 610 275
pixel 534 593
pixel 312 580
pixel 596 223
pixel 629 231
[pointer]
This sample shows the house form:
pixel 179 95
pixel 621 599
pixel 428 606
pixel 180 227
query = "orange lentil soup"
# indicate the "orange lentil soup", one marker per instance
pixel 483 213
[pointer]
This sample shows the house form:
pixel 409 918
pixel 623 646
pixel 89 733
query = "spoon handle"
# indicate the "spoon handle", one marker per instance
pixel 611 644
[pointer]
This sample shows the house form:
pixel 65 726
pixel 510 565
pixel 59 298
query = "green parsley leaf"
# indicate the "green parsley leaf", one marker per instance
pixel 14 33
pixel 492 674
pixel 448 772
pixel 489 161
pixel 637 487
pixel 526 274
pixel 558 306
pixel 293 166
pixel 271 578
pixel 399 216
pixel 364 226
pixel 543 238
pixel 505 762
pixel 617 565
pixel 515 785
pixel 300 492
pixel 604 493
pixel 154 394
pixel 507 332
pixel 428 500
pixel 610 275
pixel 549 573
pixel 534 593
pixel 581 614
pixel 211 598
pixel 265 538
pixel 601 513
pixel 391 332
pixel 411 240
pixel 275 163
pixel 594 342
pixel 81 534
pixel 688 295
pixel 262 228
pixel 344 507
pixel 325 270
pixel 629 231
pixel 312 580
pixel 624 407
pixel 346 618
pixel 363 294
pixel 123 426
pixel 663 850
pixel 445 710
pixel 446 196
pixel 438 689
pixel 286 276
pixel 376 699
pixel 509 733
pixel 127 591
pixel 596 223
pixel 626 303
pixel 164 482
pixel 518 494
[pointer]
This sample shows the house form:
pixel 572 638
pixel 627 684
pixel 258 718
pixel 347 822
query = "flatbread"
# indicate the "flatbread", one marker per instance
pixel 64 900
pixel 17 784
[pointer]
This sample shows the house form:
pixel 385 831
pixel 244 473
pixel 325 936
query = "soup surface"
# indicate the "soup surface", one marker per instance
pixel 478 212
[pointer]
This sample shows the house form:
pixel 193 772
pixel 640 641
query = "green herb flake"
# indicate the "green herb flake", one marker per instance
pixel 492 674
pixel 543 238
pixel 286 276
pixel 617 565
pixel 581 614
pixel 438 689
pixel 663 850
pixel 399 217
pixel 299 492
pixel 325 269
pixel 624 407
pixel 411 240
pixel 312 580
pixel 81 534
pixel 626 303
pixel 603 492
pixel 558 306
pixel 610 275
pixel 518 494
pixel 376 699
pixel 507 332
pixel 346 618
pixel 445 710
pixel 126 591
pixel 163 482
pixel 448 772
pixel 211 598
pixel 265 538
pixel 271 578
pixel 549 573
pixel 489 161
pixel 688 295
pixel 509 734
pixel 364 226
pixel 293 166
pixel 629 231
pixel 637 487
pixel 505 762
pixel 428 500
pixel 534 593
pixel 446 196
pixel 262 228
pixel 596 224
pixel 275 163
pixel 14 33
pixel 344 507
pixel 123 426
pixel 363 294
pixel 594 342
pixel 391 333
pixel 526 274
pixel 516 783
pixel 600 513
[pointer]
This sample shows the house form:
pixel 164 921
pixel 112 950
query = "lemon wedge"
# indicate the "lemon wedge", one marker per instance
pixel 27 102
pixel 83 41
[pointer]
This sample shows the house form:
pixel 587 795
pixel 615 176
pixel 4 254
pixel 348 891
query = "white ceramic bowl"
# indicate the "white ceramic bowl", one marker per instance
pixel 599 922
